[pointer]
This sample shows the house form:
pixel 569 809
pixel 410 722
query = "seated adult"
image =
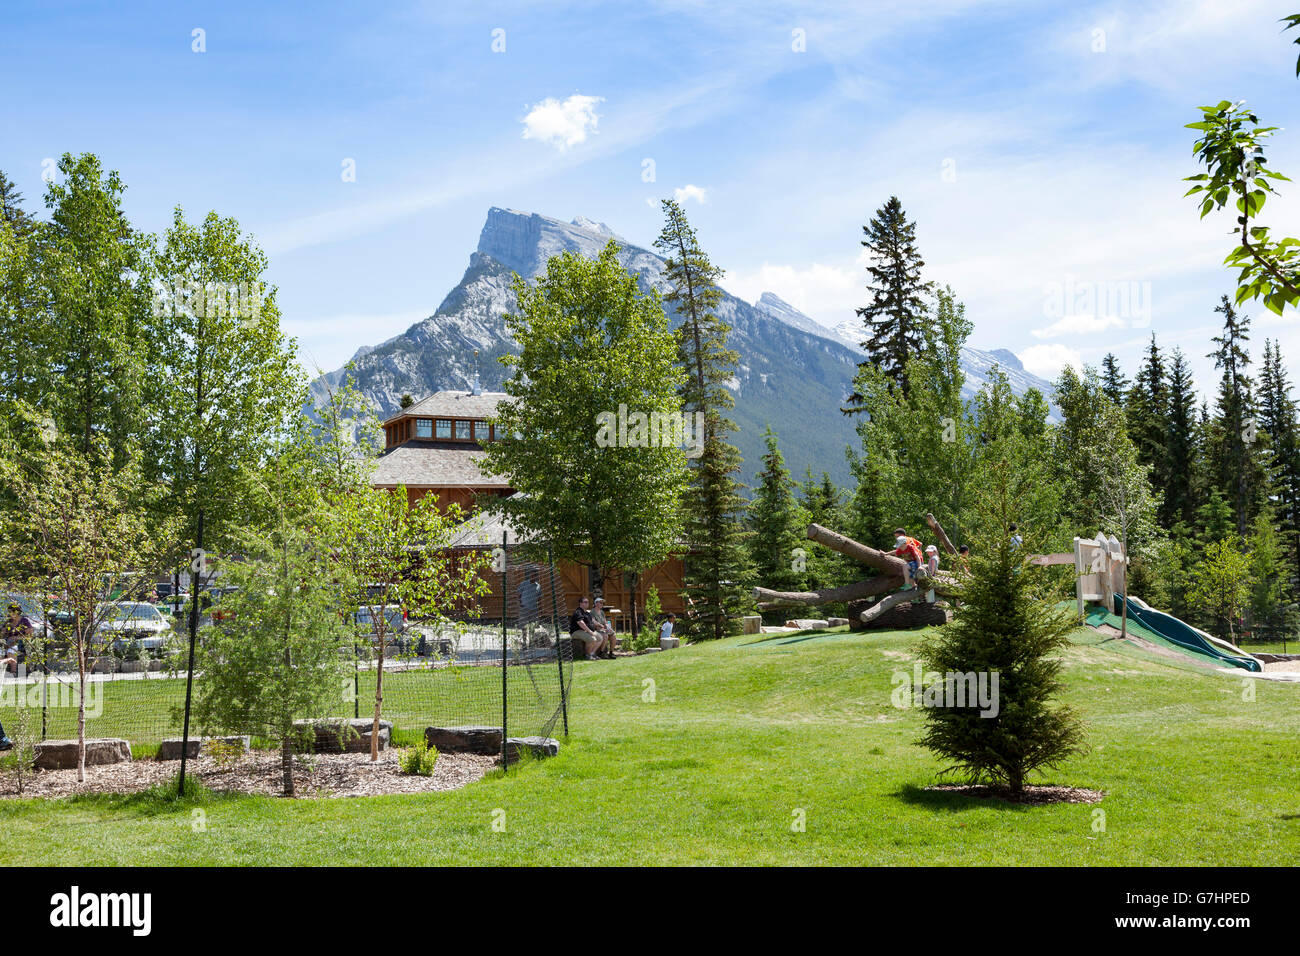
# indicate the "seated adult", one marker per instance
pixel 666 639
pixel 603 627
pixel 16 632
pixel 582 629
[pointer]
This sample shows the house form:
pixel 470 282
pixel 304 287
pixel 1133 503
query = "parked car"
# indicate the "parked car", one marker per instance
pixel 394 616
pixel 126 621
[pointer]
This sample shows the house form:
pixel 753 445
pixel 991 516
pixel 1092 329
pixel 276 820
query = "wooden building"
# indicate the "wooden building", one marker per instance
pixel 436 447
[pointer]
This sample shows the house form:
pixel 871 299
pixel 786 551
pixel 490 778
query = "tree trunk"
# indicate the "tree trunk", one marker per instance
pixel 379 694
pixel 848 592
pixel 286 763
pixel 939 533
pixel 81 716
pixel 882 561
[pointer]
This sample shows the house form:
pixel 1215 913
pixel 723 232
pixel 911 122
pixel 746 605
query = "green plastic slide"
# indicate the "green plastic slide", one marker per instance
pixel 1183 635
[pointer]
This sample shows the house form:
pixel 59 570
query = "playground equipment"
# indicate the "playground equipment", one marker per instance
pixel 1100 578
pixel 891 577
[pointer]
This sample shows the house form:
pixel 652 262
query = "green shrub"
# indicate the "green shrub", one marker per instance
pixel 418 761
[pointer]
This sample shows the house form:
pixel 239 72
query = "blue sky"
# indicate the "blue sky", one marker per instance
pixel 1038 146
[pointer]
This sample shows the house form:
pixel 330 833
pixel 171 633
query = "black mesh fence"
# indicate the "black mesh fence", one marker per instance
pixel 502 660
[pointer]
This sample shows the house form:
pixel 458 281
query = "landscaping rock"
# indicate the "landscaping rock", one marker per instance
pixel 751 624
pixel 649 650
pixel 170 749
pixel 537 746
pixel 807 623
pixel 836 621
pixel 355 741
pixel 62 754
pixel 465 740
pixel 668 643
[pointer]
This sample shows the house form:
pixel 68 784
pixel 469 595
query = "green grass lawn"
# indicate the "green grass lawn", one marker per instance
pixel 742 739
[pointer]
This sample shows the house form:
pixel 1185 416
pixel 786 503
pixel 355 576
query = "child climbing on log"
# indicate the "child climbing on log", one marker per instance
pixel 909 549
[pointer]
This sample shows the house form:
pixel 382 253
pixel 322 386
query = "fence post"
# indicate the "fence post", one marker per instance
pixel 505 709
pixel 559 652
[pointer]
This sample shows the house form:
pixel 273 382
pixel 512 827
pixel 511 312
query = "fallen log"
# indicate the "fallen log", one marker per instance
pixel 849 592
pixel 939 533
pixel 882 561
pixel 891 600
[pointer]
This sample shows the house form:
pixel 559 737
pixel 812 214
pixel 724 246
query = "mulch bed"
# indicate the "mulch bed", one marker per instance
pixel 1032 794
pixel 316 775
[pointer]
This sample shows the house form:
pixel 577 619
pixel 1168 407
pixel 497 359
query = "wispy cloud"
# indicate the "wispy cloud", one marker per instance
pixel 1079 325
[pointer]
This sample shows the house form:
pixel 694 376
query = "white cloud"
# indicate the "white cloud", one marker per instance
pixel 822 291
pixel 1078 325
pixel 1046 361
pixel 562 124
pixel 688 192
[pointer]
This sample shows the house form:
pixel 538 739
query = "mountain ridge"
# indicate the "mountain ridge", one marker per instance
pixel 794 374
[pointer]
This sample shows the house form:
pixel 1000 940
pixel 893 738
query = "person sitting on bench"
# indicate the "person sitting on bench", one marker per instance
pixel 582 629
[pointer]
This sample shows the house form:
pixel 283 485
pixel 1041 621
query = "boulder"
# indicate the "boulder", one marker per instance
pixel 807 623
pixel 485 741
pixel 331 736
pixel 537 746
pixel 62 754
pixel 170 749
pixel 751 624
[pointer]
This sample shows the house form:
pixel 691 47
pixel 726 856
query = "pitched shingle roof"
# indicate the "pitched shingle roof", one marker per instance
pixel 455 404
pixel 425 464
pixel 483 530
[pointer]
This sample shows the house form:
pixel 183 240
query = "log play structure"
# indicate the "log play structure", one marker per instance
pixel 916 605
pixel 1101 575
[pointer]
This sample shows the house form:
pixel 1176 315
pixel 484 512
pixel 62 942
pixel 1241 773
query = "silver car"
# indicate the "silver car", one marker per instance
pixel 124 621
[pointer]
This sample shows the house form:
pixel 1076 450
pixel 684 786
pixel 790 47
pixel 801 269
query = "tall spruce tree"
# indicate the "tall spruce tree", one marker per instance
pixel 1280 418
pixel 1237 468
pixel 1113 382
pixel 1147 414
pixel 1179 503
pixel 778 523
pixel 715 569
pixel 896 319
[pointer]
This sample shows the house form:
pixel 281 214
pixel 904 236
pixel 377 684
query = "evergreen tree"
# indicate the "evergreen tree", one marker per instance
pixel 778 524
pixel 1147 413
pixel 1280 418
pixel 1178 503
pixel 11 206
pixel 1235 459
pixel 715 568
pixel 896 317
pixel 1008 624
pixel 1113 382
pixel 822 503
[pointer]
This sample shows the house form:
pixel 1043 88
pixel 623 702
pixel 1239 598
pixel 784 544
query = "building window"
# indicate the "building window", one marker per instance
pixel 423 428
pixel 481 431
pixel 462 430
pixel 444 428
